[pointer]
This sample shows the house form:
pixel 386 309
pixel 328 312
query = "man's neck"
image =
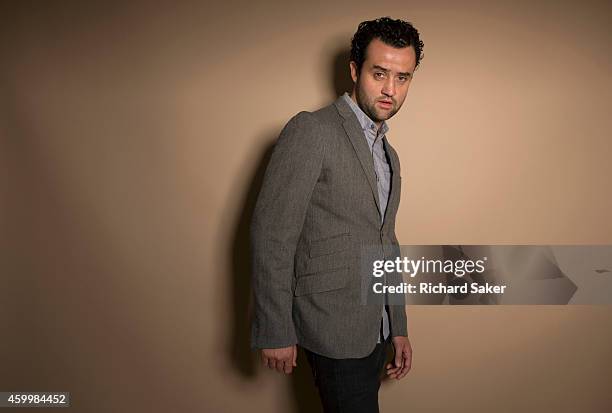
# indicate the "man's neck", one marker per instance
pixel 354 98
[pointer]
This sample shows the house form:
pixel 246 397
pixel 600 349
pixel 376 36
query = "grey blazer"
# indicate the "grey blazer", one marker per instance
pixel 317 207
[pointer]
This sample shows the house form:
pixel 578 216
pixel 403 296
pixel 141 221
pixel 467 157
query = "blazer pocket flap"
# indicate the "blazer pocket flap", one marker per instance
pixel 330 245
pixel 320 282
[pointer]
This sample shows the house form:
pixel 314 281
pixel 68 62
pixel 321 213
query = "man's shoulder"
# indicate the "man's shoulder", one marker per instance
pixel 324 117
pixel 323 122
pixel 327 113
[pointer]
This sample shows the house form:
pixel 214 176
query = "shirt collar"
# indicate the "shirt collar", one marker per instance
pixel 364 120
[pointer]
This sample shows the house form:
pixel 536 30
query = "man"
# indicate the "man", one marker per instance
pixel 332 187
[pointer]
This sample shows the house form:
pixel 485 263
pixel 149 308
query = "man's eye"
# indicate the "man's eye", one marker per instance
pixel 379 75
pixel 403 78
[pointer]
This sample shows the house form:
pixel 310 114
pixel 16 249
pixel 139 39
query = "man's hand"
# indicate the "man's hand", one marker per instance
pixel 403 358
pixel 283 359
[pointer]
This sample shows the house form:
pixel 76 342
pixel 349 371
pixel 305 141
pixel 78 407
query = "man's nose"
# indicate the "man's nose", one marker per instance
pixel 389 87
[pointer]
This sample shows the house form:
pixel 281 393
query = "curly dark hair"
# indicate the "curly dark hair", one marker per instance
pixel 396 33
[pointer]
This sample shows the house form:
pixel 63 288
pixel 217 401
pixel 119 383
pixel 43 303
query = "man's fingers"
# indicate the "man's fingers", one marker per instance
pixel 402 372
pixel 282 360
pixel 406 362
pixel 391 370
pixel 401 364
pixel 407 365
pixel 405 370
pixel 391 366
pixel 278 365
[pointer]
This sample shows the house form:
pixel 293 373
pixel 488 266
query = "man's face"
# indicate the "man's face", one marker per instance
pixel 381 87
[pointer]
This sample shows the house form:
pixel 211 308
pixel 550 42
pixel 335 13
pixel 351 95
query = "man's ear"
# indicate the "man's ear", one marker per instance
pixel 353 67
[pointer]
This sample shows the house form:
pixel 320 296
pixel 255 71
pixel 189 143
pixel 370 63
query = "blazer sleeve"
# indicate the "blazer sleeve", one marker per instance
pixel 399 320
pixel 280 211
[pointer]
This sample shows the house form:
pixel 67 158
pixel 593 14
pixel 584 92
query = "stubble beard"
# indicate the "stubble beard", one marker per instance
pixel 382 115
pixel 369 108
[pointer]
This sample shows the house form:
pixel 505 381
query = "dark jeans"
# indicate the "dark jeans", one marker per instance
pixel 349 385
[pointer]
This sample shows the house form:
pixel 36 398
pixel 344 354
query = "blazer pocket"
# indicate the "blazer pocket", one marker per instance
pixel 323 281
pixel 330 245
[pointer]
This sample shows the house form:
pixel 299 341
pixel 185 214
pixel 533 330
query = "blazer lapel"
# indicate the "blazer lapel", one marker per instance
pixel 355 133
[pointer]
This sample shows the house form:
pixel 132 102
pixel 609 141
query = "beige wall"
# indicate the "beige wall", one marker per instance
pixel 133 139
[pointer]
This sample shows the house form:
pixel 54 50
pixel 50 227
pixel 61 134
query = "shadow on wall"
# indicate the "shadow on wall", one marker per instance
pixel 243 359
pixel 240 251
pixel 341 76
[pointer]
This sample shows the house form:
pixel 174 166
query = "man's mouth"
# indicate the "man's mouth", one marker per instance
pixel 386 103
